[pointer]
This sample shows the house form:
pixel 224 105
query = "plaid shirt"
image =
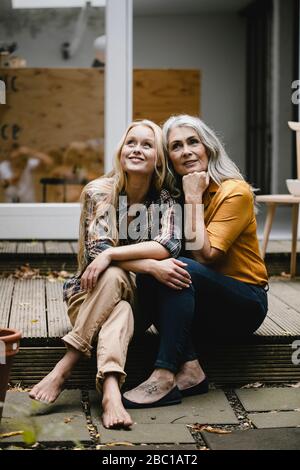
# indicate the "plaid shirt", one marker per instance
pixel 97 237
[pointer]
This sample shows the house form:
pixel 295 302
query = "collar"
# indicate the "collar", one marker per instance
pixel 212 187
pixel 209 193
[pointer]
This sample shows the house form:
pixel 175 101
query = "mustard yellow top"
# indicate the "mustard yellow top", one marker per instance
pixel 231 225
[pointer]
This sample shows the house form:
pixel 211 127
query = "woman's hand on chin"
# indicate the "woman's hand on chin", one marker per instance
pixel 95 268
pixel 170 272
pixel 194 185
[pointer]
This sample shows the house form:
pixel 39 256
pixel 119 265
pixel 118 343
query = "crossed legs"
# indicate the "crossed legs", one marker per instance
pixel 104 315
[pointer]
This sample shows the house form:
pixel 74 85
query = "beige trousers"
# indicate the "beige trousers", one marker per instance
pixel 105 316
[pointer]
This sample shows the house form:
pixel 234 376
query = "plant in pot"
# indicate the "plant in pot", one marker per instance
pixel 9 346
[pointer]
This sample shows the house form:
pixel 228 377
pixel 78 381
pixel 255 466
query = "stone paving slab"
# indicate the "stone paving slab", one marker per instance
pixel 255 439
pixel 148 434
pixel 281 419
pixel 211 408
pixel 61 422
pixel 269 399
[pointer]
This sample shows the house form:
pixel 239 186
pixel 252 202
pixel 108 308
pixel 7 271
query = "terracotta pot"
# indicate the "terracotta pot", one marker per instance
pixel 9 346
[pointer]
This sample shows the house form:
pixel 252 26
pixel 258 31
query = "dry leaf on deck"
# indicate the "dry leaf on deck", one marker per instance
pixel 297 385
pixel 10 434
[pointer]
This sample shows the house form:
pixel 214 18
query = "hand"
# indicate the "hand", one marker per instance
pixel 171 272
pixel 95 268
pixel 194 184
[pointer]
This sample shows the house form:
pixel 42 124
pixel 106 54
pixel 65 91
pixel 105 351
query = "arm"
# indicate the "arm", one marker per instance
pixel 163 244
pixel 170 271
pixel 231 218
pixel 194 185
pixel 150 249
pixel 137 251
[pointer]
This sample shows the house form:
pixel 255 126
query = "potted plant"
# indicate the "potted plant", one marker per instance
pixel 9 346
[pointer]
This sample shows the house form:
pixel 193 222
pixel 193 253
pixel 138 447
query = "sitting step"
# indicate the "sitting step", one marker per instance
pixel 35 307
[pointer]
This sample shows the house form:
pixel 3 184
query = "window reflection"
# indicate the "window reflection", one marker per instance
pixel 51 127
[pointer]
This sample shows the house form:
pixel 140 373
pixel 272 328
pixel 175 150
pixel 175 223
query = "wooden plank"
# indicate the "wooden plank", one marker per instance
pixel 58 247
pixel 6 290
pixel 284 316
pixel 58 320
pixel 74 247
pixel 289 294
pixel 157 94
pixel 220 369
pixel 294 285
pixel 47 99
pixel 281 246
pixel 270 328
pixel 28 312
pixel 8 246
pixel 30 247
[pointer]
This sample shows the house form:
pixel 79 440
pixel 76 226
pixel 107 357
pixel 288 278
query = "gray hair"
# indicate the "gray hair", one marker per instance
pixel 220 166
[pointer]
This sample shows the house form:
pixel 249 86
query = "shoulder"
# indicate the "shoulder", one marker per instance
pixel 234 187
pixel 98 188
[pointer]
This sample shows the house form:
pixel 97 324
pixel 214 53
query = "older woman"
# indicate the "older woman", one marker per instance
pixel 100 297
pixel 227 291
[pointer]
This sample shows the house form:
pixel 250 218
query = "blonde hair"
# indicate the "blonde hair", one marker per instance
pixel 220 166
pixel 109 186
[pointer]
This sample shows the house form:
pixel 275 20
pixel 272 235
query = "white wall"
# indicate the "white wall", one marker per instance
pixel 213 43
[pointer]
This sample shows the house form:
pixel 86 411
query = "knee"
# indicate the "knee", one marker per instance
pixel 194 267
pixel 146 281
pixel 113 274
pixel 113 278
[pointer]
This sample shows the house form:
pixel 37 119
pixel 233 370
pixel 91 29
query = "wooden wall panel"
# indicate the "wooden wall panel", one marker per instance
pixel 157 94
pixel 48 109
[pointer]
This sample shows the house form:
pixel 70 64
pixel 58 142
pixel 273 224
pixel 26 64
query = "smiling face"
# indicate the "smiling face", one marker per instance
pixel 186 151
pixel 138 154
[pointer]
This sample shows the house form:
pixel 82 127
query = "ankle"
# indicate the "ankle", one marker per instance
pixel 192 367
pixel 110 384
pixel 163 375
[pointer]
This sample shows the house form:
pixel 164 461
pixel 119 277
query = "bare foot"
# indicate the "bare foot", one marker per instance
pixel 159 384
pixel 114 414
pixel 48 389
pixel 190 374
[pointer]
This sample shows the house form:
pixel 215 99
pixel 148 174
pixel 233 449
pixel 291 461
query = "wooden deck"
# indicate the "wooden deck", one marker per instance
pixel 46 247
pixel 61 255
pixel 70 247
pixel 37 309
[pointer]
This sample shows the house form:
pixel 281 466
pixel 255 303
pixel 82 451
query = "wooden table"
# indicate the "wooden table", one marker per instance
pixel 272 200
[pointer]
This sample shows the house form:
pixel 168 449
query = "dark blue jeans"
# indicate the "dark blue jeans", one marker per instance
pixel 213 307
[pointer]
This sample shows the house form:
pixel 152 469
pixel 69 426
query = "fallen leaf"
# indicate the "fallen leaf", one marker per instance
pixel 253 385
pixel 285 275
pixel 297 385
pixel 34 321
pixel 9 434
pixel 26 272
pixel 205 427
pixel 113 444
pixel 67 420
